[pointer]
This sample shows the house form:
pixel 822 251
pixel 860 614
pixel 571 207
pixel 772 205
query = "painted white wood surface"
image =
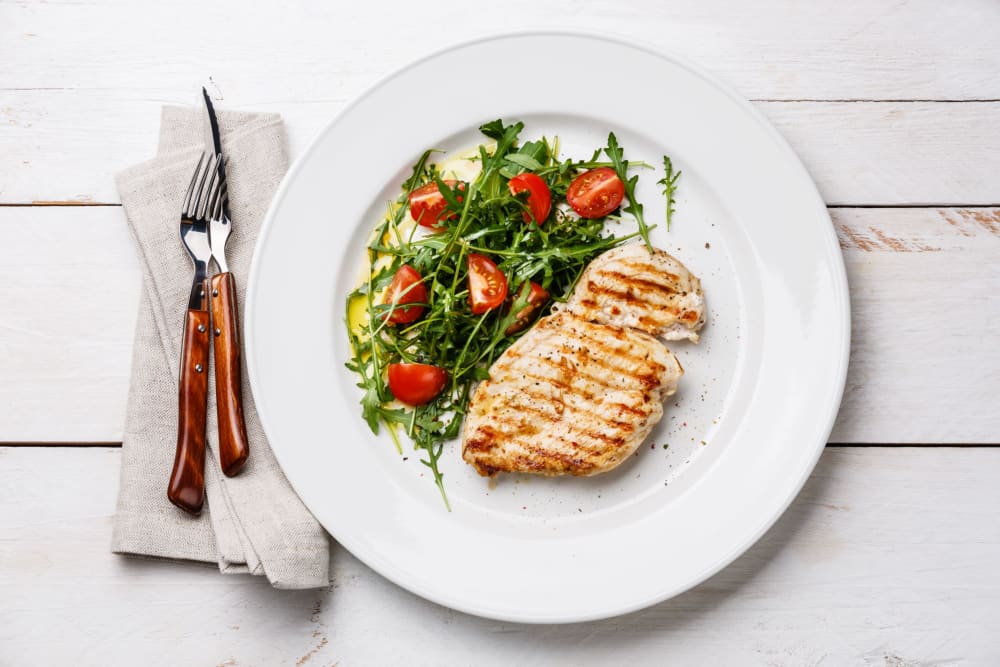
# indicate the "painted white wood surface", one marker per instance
pixel 859 153
pixel 888 557
pixel 287 51
pixel 81 83
pixel 923 368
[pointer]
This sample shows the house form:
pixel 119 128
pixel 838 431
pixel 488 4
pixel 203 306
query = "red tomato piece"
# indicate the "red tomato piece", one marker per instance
pixel 416 384
pixel 539 195
pixel 537 296
pixel 406 287
pixel 487 284
pixel 595 193
pixel 427 204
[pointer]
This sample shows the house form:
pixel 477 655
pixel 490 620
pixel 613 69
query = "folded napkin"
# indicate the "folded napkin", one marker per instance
pixel 253 522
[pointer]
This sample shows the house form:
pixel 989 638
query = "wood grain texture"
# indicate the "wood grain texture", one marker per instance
pixel 859 153
pixel 64 369
pixel 186 489
pixel 887 557
pixel 925 289
pixel 233 445
pixel 73 112
pixel 772 49
pixel 925 294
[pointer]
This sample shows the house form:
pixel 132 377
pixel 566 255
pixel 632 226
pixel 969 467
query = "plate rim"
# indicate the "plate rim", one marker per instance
pixel 841 295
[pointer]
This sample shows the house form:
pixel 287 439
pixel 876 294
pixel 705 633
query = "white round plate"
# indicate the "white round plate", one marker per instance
pixel 736 443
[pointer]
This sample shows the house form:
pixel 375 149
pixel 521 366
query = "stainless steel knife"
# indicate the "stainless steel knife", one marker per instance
pixel 234 448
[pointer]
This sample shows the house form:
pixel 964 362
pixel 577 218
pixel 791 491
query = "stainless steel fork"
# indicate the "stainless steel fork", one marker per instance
pixel 203 200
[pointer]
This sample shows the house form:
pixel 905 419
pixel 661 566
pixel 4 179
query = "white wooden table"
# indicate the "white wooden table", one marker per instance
pixel 891 554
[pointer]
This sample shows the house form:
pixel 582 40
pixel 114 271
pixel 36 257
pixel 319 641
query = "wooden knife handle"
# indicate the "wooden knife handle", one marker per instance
pixel 187 480
pixel 233 446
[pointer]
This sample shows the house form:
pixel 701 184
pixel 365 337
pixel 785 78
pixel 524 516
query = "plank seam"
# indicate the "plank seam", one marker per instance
pixel 900 445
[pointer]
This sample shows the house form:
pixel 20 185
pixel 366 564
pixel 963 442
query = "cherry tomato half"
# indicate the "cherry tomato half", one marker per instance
pixel 427 204
pixel 595 193
pixel 539 195
pixel 406 287
pixel 487 284
pixel 537 296
pixel 416 384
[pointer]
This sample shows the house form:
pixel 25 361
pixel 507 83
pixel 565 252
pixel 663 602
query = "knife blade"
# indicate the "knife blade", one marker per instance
pixel 214 141
pixel 233 443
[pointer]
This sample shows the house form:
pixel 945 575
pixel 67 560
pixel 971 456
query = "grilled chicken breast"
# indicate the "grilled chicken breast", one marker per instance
pixel 569 397
pixel 628 287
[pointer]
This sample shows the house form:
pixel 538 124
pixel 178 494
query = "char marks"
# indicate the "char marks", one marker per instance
pixel 629 287
pixel 580 391
pixel 571 397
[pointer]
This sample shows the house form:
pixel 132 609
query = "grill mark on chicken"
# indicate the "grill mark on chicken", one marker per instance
pixel 635 281
pixel 570 397
pixel 628 287
pixel 579 392
pixel 629 409
pixel 626 296
pixel 596 361
pixel 629 298
pixel 590 405
pixel 645 267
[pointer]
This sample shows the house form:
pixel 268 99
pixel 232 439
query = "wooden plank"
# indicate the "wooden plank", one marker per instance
pixel 859 153
pixel 888 557
pixel 925 293
pixel 862 153
pixel 834 49
pixel 925 287
pixel 69 285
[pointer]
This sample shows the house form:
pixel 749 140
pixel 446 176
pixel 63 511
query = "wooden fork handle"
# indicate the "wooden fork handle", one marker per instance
pixel 233 446
pixel 187 480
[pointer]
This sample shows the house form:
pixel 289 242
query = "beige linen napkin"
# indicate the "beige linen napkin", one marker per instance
pixel 253 522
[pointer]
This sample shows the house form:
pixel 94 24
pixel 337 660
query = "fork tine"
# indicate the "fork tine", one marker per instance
pixel 223 198
pixel 218 192
pixel 211 189
pixel 201 198
pixel 217 201
pixel 186 208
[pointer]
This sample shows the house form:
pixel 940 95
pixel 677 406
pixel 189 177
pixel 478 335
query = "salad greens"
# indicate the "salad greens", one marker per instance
pixel 669 183
pixel 481 217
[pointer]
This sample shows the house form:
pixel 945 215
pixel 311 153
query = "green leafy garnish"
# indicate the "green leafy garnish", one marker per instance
pixel 669 183
pixel 621 165
pixel 480 217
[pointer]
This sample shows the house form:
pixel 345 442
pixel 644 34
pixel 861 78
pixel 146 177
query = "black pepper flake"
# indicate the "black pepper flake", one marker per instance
pixel 707 245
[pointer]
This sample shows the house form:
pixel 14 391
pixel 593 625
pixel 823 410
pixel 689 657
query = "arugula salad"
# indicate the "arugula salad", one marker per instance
pixel 458 270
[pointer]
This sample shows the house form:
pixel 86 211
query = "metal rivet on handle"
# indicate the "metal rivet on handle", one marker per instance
pixel 197 367
pixel 215 292
pixel 218 332
pixel 201 328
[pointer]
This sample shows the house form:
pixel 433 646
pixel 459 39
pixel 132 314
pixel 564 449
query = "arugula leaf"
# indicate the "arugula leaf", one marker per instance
pixel 669 183
pixel 493 129
pixel 531 156
pixel 616 154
